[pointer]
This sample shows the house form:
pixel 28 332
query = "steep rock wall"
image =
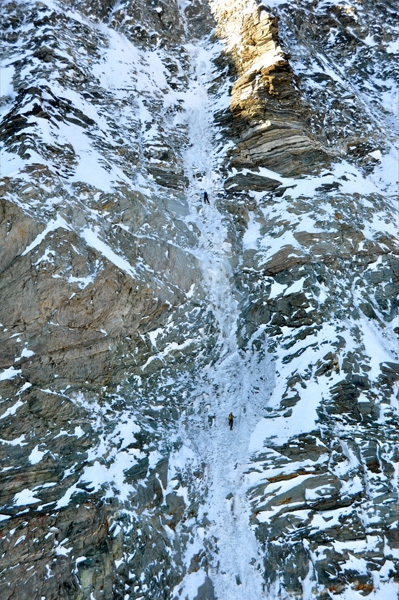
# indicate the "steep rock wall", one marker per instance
pixel 269 122
pixel 121 299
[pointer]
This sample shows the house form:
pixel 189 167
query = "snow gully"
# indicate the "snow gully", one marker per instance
pixel 236 380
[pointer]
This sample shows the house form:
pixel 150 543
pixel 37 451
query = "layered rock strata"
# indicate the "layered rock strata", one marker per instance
pixel 269 120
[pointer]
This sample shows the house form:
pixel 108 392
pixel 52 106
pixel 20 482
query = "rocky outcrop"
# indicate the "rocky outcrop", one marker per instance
pixel 268 119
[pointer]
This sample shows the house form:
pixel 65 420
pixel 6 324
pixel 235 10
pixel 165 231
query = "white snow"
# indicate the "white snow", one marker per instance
pixel 6 76
pixel 25 497
pixel 26 353
pixel 61 550
pixel 376 154
pixel 374 347
pixel 12 410
pixel 9 373
pixel 19 441
pixel 36 455
pixel 191 583
pixel 252 233
pixel 239 379
pixel 58 222
pixel 91 236
pixel 243 381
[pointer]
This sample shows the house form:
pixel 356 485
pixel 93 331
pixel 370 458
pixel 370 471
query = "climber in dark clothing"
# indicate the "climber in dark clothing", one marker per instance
pixel 231 420
pixel 206 199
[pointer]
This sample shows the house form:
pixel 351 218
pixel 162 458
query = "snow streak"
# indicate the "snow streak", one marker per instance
pixel 235 558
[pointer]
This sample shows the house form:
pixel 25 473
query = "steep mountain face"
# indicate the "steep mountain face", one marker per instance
pixel 134 317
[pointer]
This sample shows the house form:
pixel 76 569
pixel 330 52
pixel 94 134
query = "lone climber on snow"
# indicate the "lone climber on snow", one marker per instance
pixel 206 199
pixel 231 420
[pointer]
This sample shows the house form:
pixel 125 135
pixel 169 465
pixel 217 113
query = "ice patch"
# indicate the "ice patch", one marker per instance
pixel 25 497
pixel 36 455
pixel 9 373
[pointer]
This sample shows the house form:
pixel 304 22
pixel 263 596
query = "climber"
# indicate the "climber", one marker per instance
pixel 231 420
pixel 206 199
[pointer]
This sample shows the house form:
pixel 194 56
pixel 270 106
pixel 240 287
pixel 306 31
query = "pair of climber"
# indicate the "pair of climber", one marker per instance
pixel 230 419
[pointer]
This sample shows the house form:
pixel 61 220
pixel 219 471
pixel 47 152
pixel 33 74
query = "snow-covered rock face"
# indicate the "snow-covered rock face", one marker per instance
pixel 134 317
